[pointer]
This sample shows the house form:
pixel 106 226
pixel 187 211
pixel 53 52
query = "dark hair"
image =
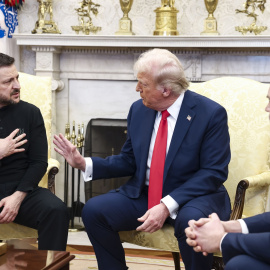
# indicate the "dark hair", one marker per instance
pixel 5 60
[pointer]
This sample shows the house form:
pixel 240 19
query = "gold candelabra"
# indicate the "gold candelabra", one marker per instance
pixel 67 132
pixel 166 19
pixel 72 136
pixel 45 23
pixel 210 23
pixel 85 20
pixel 249 9
pixel 125 23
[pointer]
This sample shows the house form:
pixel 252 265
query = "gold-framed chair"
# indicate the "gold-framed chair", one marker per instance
pixel 249 175
pixel 38 91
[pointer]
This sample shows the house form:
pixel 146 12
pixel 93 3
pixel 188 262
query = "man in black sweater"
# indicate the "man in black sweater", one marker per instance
pixel 23 162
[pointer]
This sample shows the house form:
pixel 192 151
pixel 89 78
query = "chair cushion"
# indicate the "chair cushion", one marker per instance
pixel 163 239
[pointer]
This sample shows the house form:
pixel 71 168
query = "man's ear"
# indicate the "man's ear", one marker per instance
pixel 166 92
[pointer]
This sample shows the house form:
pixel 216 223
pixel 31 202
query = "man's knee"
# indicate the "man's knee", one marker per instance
pixel 242 262
pixel 91 211
pixel 59 211
pixel 184 216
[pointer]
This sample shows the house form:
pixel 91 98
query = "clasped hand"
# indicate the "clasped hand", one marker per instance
pixel 205 234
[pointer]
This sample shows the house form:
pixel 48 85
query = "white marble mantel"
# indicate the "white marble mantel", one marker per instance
pixel 203 57
pixel 95 73
pixel 144 41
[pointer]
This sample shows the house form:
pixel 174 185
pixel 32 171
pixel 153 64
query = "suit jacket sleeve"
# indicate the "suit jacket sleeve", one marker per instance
pixel 255 244
pixel 117 165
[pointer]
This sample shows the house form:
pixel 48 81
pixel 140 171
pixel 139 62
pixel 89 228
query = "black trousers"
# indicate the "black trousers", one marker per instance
pixel 45 212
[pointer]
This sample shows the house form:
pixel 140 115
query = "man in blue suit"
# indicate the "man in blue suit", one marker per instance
pixel 196 165
pixel 245 244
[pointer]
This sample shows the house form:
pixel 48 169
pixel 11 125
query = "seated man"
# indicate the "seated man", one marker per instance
pixel 177 153
pixel 245 244
pixel 23 162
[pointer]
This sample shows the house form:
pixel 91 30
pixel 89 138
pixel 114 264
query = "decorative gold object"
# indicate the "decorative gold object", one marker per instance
pixel 210 23
pixel 73 135
pixel 249 9
pixel 67 132
pixel 45 25
pixel 82 136
pixel 125 23
pixel 85 20
pixel 166 19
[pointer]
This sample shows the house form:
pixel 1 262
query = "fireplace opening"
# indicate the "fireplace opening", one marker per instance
pixel 104 137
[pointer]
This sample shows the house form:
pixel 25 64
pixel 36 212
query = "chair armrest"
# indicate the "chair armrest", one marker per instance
pixel 52 170
pixel 260 180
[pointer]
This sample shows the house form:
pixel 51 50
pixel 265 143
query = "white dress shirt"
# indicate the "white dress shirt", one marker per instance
pixel 174 110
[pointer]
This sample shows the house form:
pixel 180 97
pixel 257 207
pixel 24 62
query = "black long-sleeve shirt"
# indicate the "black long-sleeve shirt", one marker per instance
pixel 23 171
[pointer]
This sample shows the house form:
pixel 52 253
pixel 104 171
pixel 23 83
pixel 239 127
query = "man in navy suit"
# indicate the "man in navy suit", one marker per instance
pixel 245 244
pixel 195 169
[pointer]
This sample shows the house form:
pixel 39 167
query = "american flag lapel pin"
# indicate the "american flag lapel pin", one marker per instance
pixel 188 117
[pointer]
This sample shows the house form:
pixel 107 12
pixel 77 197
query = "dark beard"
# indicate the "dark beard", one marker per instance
pixel 5 101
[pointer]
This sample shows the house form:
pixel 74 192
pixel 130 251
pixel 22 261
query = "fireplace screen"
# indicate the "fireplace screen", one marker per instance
pixel 104 137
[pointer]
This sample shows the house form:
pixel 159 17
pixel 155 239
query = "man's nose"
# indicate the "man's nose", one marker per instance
pixel 16 84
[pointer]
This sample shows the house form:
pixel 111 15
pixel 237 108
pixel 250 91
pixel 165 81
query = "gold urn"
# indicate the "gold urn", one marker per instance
pixel 166 19
pixel 125 23
pixel 210 23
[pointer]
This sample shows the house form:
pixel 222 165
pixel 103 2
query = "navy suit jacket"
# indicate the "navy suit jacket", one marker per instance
pixel 255 244
pixel 197 160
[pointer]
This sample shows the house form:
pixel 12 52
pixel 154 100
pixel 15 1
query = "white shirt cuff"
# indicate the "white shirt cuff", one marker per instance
pixel 87 174
pixel 172 206
pixel 243 226
pixel 244 230
pixel 221 241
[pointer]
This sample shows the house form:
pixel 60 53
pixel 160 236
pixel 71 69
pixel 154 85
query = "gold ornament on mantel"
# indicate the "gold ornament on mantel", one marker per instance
pixel 249 9
pixel 125 23
pixel 45 25
pixel 210 23
pixel 85 20
pixel 166 19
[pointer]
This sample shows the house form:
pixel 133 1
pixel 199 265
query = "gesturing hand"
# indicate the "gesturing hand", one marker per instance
pixel 9 145
pixel 69 151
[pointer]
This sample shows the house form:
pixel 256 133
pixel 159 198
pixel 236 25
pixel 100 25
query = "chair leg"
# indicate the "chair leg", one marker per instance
pixel 218 263
pixel 176 259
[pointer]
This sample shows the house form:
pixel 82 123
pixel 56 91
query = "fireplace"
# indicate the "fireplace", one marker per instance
pixel 104 137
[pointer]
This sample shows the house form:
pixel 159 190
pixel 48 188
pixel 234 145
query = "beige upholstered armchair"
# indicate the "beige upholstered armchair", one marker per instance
pixel 249 176
pixel 35 90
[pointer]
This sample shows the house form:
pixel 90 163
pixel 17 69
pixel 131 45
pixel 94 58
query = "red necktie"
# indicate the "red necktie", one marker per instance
pixel 157 163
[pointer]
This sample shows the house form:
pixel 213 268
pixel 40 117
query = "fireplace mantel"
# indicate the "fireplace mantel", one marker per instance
pixel 57 40
pixel 203 57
